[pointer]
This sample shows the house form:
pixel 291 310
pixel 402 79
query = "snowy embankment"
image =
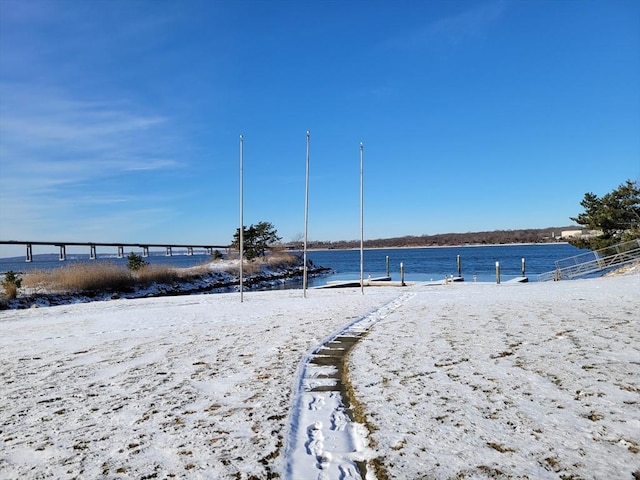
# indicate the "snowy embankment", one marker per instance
pixel 473 380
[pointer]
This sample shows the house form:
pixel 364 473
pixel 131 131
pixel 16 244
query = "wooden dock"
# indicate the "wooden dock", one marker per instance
pixel 368 282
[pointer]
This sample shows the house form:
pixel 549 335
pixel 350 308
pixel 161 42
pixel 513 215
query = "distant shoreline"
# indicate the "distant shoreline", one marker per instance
pixel 437 246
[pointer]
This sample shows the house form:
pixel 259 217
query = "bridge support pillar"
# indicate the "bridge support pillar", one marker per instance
pixel 92 252
pixel 169 253
pixel 145 251
pixel 29 253
pixel 120 251
pixel 63 253
pixel 189 251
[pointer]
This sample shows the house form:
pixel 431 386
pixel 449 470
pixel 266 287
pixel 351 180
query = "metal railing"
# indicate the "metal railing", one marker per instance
pixel 592 262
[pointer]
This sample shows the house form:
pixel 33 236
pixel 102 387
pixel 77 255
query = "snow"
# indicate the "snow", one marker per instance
pixel 464 380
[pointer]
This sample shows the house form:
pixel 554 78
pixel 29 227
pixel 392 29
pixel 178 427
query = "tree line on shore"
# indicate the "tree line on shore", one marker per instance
pixel 495 237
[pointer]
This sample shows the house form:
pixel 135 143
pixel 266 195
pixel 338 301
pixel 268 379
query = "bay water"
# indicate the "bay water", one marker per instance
pixel 434 263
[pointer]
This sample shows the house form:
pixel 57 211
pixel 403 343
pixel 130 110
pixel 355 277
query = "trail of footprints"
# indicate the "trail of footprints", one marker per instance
pixel 334 443
pixel 331 443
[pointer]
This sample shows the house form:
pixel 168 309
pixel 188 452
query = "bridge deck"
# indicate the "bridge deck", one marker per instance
pixel 209 249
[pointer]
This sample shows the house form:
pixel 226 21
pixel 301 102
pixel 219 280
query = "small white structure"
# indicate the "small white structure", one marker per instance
pixel 580 233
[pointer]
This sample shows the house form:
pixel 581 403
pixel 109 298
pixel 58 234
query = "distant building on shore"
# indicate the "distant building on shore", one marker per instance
pixel 581 233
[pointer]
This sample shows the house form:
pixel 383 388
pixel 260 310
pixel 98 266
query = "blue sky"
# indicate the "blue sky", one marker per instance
pixel 120 120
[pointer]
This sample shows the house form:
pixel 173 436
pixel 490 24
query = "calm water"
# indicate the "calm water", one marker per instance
pixel 425 264
pixel 420 264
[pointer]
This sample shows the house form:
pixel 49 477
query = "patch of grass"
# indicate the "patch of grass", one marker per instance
pixel 553 462
pixel 506 353
pixel 500 448
pixel 594 416
pixel 359 415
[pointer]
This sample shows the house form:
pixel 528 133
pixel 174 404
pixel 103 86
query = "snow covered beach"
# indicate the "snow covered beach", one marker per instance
pixel 468 380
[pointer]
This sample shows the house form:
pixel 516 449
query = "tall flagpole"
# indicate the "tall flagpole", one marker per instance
pixel 241 235
pixel 361 218
pixel 306 222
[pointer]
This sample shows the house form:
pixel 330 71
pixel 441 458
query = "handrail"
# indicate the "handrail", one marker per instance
pixel 595 261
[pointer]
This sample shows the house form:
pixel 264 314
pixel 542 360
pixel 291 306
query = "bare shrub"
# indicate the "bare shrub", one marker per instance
pixel 11 282
pixel 11 290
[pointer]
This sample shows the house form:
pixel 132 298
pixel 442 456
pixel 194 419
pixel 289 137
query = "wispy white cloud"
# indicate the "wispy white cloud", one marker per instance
pixel 60 155
pixel 453 30
pixel 34 116
pixel 35 119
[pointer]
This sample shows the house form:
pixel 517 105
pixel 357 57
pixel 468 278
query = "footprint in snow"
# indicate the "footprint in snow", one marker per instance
pixel 316 403
pixel 323 465
pixel 339 420
pixel 315 442
pixel 348 472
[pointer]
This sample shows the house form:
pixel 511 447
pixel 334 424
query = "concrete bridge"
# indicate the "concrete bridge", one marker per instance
pixel 209 249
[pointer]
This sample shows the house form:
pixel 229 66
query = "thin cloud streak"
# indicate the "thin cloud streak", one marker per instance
pixel 453 30
pixel 61 156
pixel 43 117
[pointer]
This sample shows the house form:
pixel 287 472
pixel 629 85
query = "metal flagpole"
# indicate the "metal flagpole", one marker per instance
pixel 361 219
pixel 306 222
pixel 241 234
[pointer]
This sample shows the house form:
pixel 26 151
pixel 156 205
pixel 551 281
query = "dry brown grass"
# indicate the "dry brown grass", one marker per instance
pixel 105 276
pixel 282 259
pixel 80 277
pixel 92 277
pixel 248 268
pixel 151 274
